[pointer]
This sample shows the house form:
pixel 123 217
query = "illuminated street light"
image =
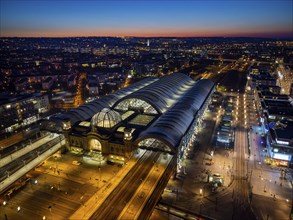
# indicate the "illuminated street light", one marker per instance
pixel 18 208
pixel 200 192
pixel 4 202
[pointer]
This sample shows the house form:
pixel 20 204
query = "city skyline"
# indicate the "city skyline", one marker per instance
pixel 146 19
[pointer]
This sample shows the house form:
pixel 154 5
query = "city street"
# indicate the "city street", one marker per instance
pixel 190 190
pixel 269 189
pixel 248 180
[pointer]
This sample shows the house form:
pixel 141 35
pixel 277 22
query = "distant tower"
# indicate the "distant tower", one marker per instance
pixel 148 43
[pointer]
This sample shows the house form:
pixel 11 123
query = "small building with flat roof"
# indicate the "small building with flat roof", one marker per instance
pixel 280 143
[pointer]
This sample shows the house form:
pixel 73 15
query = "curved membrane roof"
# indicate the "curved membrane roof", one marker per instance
pixel 161 95
pixel 177 97
pixel 86 111
pixel 173 124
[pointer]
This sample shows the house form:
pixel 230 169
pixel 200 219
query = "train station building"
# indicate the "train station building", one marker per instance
pixel 160 114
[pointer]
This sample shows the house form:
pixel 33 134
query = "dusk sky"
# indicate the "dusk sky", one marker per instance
pixel 42 18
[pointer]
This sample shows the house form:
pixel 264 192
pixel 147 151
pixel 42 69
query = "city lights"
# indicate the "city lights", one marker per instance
pixel 135 109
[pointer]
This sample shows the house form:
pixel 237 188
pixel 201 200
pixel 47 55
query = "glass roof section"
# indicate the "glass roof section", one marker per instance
pixel 127 114
pixel 143 120
pixel 134 103
pixel 154 144
pixel 85 124
pixel 120 129
pixel 106 118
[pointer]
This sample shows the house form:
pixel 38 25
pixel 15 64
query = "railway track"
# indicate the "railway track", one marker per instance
pixel 110 209
pixel 240 192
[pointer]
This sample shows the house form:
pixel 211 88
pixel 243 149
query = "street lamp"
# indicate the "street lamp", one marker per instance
pixel 50 208
pixel 100 172
pixel 1 154
pixel 264 188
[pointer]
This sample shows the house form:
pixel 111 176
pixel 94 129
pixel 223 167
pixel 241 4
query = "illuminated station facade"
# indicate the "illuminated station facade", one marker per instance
pixel 159 114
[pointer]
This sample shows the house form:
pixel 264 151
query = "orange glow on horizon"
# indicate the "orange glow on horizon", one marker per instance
pixel 155 32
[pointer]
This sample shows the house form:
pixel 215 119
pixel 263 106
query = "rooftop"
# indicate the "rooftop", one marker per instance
pixel 283 130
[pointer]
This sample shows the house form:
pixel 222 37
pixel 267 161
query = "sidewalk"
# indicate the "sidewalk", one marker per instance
pixel 268 189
